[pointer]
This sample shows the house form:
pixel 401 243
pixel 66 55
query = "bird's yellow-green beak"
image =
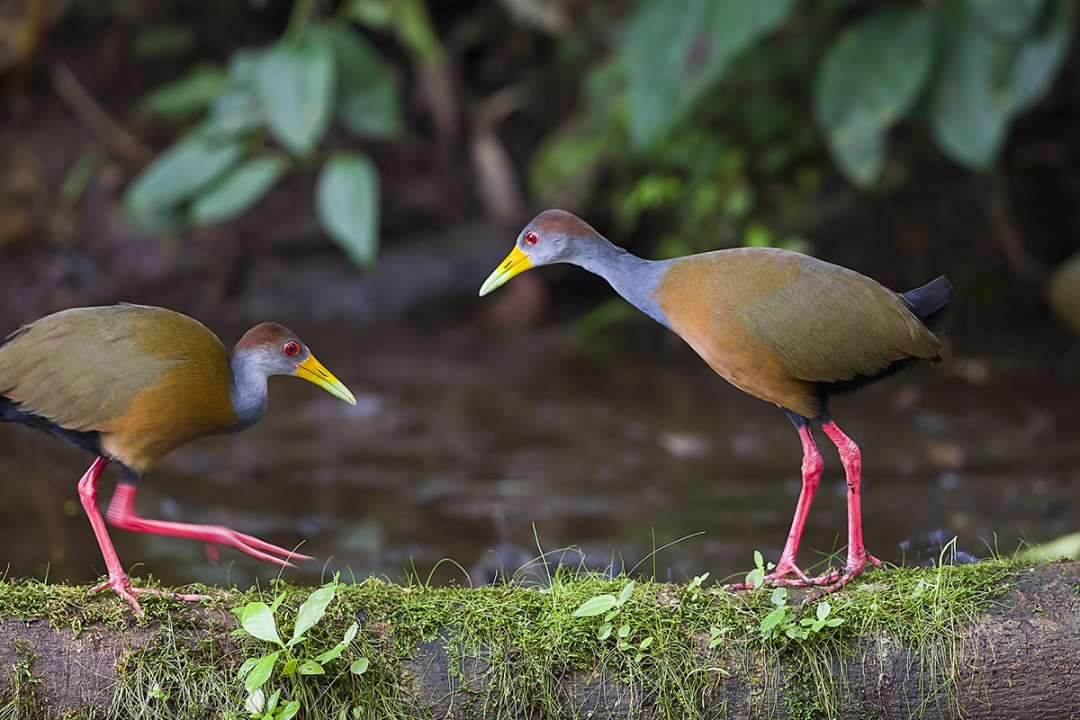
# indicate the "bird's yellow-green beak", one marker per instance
pixel 516 262
pixel 311 369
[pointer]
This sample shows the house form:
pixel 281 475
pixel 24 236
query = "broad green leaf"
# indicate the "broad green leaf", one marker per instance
pixel 604 631
pixel 332 654
pixel 823 609
pixel 359 667
pixel 350 634
pixel 261 672
pixel 179 173
pixel 312 610
pixel 677 49
pixel 272 702
pixel 247 667
pixel 1010 18
pixel 295 87
pixel 772 620
pixel 347 198
pixel 985 79
pixel 624 631
pixel 290 667
pixel 310 667
pixel 258 620
pixel 367 96
pixel 1039 57
pixel 237 190
pixel 596 606
pixel 289 710
pixel 869 79
pixel 779 597
pixel 627 591
pixel 966 120
pixel 194 91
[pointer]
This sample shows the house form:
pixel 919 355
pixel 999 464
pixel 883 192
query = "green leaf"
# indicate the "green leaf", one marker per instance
pixel 247 667
pixel 869 79
pixel 179 173
pixel 310 667
pixel 627 591
pixel 332 654
pixel 312 610
pixel 258 620
pixel 261 672
pixel 350 634
pixel 295 87
pixel 596 606
pixel 238 190
pixel 272 702
pixel 985 79
pixel 237 111
pixel 367 96
pixel 1039 58
pixel 290 667
pixel 676 50
pixel 646 643
pixel 624 631
pixel 289 710
pixel 359 667
pixel 772 620
pixel 1010 18
pixel 191 93
pixel 823 609
pixel 604 631
pixel 347 198
pixel 779 597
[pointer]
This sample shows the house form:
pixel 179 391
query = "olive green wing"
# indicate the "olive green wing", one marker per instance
pixel 829 323
pixel 80 368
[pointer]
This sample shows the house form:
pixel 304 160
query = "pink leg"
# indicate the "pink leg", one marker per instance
pixel 118 579
pixel 812 466
pixel 122 514
pixel 852 460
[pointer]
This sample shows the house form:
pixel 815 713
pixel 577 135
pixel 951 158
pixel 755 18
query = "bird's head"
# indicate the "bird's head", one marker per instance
pixel 553 236
pixel 272 349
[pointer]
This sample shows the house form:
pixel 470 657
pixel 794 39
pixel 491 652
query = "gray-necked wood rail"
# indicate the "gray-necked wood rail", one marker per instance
pixel 130 383
pixel 782 326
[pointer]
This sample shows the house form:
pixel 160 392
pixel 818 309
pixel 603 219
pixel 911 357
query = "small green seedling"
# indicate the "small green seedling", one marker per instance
pixel 783 622
pixel 756 577
pixel 612 605
pixel 257 620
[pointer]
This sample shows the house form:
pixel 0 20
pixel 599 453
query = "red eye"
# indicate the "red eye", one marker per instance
pixel 531 238
pixel 291 348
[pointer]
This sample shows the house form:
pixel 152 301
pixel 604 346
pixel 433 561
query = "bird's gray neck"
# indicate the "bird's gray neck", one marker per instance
pixel 632 277
pixel 248 389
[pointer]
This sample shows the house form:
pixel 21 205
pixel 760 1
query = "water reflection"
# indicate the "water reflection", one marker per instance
pixel 488 451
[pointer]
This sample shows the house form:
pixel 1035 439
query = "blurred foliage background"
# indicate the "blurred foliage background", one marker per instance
pixel 253 156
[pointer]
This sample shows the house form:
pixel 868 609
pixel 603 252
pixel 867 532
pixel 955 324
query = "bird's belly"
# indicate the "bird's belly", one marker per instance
pixel 754 370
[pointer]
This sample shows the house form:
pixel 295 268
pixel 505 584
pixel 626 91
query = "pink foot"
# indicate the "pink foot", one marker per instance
pixel 122 587
pixel 839 580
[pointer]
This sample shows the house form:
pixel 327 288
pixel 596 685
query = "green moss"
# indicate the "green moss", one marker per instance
pixel 524 640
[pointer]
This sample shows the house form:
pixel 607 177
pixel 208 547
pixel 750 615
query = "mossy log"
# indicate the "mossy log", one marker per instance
pixel 990 640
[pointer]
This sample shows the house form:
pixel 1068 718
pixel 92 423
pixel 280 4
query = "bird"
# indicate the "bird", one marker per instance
pixel 130 383
pixel 782 326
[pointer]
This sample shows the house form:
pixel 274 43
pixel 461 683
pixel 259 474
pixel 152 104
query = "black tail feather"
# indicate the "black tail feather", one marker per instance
pixel 930 302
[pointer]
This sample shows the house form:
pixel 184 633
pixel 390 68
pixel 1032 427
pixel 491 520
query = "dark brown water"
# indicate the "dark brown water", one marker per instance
pixel 463 444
